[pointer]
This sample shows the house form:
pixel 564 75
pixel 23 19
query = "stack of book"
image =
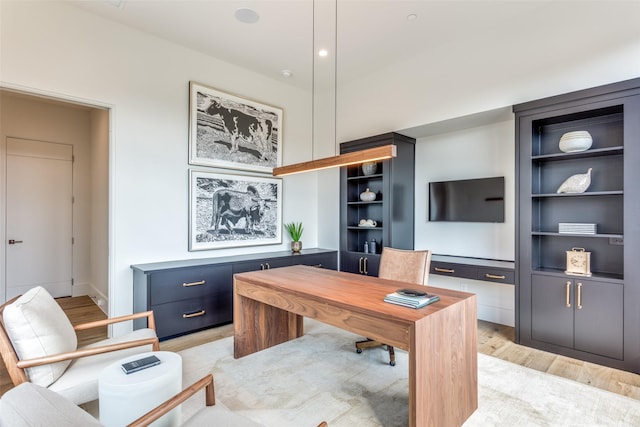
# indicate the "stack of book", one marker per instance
pixel 577 228
pixel 411 298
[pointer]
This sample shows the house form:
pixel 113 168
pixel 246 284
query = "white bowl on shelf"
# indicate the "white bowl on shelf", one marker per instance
pixel 574 142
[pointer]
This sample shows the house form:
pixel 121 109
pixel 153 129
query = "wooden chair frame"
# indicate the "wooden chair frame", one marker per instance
pixel 16 367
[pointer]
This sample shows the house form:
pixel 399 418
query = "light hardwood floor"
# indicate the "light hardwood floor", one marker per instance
pixel 493 340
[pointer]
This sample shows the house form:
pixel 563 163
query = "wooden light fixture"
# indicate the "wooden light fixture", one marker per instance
pixel 362 156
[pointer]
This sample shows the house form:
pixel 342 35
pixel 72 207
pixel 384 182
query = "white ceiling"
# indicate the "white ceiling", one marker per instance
pixel 374 33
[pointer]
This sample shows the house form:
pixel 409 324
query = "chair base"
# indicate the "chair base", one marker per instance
pixel 369 343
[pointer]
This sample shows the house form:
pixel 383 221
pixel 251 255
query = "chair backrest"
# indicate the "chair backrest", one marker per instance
pixel 34 325
pixel 405 265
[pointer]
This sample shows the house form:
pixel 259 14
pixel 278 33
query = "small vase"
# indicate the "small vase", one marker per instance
pixel 296 246
pixel 369 168
pixel 367 196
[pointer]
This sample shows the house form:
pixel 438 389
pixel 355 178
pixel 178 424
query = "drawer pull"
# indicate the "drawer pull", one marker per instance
pixel 444 270
pixel 568 294
pixel 494 276
pixel 196 314
pixel 201 282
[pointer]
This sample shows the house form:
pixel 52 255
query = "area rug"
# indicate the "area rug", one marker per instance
pixel 319 377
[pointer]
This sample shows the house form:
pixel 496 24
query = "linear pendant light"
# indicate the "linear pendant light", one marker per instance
pixel 362 156
pixel 369 155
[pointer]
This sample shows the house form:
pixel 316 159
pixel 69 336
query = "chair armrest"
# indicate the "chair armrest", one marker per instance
pixel 165 407
pixel 23 364
pixel 148 314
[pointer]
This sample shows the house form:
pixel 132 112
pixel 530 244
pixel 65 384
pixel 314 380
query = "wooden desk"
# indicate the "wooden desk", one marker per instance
pixel 441 338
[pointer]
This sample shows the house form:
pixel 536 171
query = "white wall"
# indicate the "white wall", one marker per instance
pixel 478 152
pixel 59 50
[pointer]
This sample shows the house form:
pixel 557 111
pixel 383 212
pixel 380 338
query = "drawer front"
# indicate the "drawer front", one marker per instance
pixel 183 284
pixel 454 270
pixel 264 264
pixel 489 274
pixel 189 315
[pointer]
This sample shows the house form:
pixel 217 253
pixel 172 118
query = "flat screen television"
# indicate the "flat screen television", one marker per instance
pixel 467 200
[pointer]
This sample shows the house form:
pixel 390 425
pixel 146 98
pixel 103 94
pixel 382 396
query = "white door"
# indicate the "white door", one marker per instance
pixel 39 217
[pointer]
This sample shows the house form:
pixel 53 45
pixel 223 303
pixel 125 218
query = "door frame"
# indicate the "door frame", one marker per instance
pixel 65 99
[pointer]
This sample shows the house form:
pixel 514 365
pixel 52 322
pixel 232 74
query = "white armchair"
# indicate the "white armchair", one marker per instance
pixel 38 344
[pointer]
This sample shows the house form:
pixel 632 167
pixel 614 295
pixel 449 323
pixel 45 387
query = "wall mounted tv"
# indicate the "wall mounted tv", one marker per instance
pixel 467 200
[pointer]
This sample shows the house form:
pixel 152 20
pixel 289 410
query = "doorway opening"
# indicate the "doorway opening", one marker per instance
pixel 70 141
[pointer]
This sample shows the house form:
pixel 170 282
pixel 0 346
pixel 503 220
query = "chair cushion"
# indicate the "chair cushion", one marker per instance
pixel 79 383
pixel 29 405
pixel 37 327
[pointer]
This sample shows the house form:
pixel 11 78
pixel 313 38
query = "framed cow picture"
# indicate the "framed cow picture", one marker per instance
pixel 233 210
pixel 228 131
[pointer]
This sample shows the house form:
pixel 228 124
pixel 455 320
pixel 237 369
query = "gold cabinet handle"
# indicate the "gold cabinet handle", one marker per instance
pixel 444 270
pixel 494 276
pixel 365 266
pixel 568 294
pixel 360 265
pixel 267 265
pixel 579 296
pixel 196 314
pixel 201 282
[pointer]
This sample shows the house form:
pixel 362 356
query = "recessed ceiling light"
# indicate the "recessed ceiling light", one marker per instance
pixel 412 16
pixel 323 52
pixel 286 73
pixel 246 15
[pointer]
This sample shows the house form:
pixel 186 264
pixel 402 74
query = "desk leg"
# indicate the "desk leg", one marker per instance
pixel 257 325
pixel 443 367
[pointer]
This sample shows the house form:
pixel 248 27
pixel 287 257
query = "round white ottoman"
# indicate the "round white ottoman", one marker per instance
pixel 123 398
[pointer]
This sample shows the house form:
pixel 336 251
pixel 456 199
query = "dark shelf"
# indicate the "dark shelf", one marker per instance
pixel 355 227
pixel 553 233
pixel 585 194
pixel 379 202
pixel 608 277
pixel 596 152
pixel 365 177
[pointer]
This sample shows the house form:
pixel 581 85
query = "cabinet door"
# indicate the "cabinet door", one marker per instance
pixel 599 317
pixel 360 263
pixel 317 260
pixel 263 264
pixel 551 319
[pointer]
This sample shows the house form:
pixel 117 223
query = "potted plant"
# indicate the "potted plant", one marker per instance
pixel 295 232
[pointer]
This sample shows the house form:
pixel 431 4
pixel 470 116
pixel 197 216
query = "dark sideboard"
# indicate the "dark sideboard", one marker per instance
pixel 190 295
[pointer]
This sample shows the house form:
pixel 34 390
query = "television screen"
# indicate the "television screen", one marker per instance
pixel 468 200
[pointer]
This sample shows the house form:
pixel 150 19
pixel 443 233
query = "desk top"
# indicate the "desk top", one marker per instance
pixel 355 292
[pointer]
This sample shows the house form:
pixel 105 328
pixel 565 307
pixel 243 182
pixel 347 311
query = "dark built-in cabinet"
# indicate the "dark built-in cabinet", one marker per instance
pixel 190 295
pixel 393 209
pixel 592 318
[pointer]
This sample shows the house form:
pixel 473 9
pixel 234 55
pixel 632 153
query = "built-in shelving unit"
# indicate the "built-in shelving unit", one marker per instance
pixel 392 210
pixel 587 317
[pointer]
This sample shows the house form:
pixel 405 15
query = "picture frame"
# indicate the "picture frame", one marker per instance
pixel 227 210
pixel 228 131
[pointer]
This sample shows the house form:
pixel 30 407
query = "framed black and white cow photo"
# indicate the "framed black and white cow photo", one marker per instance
pixel 233 210
pixel 228 131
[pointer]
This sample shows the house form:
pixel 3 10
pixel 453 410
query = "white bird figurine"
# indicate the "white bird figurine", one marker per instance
pixel 576 183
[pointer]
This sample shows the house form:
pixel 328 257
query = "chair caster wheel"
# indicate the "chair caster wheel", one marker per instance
pixel 358 350
pixel 392 363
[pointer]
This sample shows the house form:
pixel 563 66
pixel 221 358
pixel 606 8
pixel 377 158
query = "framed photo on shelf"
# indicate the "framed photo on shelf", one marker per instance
pixel 228 131
pixel 233 210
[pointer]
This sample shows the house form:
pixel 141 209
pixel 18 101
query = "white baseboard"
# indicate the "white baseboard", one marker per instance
pixel 98 297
